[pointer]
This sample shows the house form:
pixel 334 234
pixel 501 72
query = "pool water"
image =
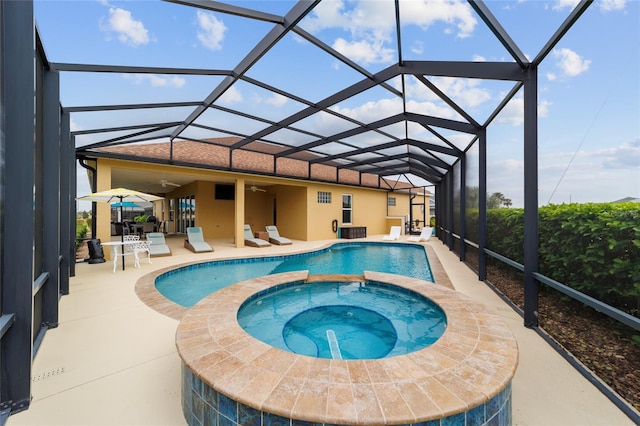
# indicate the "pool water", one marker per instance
pixel 188 285
pixel 343 320
pixel 364 333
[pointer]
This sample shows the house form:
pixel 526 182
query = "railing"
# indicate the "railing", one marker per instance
pixel 608 310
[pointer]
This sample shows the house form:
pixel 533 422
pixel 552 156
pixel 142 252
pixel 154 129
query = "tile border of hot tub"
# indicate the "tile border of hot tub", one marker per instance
pixel 466 373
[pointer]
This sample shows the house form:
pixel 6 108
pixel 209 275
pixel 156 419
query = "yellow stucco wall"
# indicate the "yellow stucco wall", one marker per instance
pixel 298 214
pixel 103 210
pixel 291 210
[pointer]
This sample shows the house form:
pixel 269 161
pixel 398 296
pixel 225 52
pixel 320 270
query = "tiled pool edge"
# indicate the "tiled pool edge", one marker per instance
pixel 203 406
pixel 146 291
pixel 464 378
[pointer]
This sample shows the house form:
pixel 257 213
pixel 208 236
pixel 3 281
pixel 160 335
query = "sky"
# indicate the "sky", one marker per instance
pixel 588 98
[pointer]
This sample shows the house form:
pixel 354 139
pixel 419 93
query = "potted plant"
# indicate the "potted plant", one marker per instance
pixel 140 219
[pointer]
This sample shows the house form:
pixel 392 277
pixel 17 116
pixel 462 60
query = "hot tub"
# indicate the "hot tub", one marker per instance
pixel 230 377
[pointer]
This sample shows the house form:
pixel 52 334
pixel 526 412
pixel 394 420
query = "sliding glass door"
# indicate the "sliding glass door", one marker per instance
pixel 186 213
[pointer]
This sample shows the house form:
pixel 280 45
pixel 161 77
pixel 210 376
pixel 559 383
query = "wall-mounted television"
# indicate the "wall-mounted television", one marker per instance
pixel 225 192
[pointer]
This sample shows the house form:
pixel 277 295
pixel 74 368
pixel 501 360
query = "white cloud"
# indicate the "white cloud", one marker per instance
pixel 276 100
pixel 232 95
pixel 551 76
pixel 570 62
pixel 543 108
pixel 211 33
pixel 609 5
pixel 465 92
pixel 327 14
pixel 565 4
pixel 625 156
pixel 600 175
pixel 156 80
pixel 74 126
pixel 418 47
pixel 513 113
pixel 364 51
pixel 129 30
pixel 372 111
pixel 425 13
pixel 371 24
pixel 605 5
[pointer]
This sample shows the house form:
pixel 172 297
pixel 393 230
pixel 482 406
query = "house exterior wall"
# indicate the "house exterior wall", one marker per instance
pixel 291 211
pixel 298 214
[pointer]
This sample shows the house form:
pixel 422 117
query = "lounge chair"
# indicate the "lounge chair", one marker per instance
pixel 250 240
pixel 275 238
pixel 424 235
pixel 195 240
pixel 394 234
pixel 158 246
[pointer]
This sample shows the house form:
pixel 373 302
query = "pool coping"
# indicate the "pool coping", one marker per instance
pixel 472 362
pixel 146 290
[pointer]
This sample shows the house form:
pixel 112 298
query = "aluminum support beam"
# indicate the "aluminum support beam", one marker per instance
pixel 497 29
pixel 324 104
pixel 531 198
pixel 446 99
pixel 481 70
pixel 215 6
pixel 482 205
pixel 125 69
pixel 295 15
pixel 89 108
pixel 561 31
pixel 426 120
pixel 18 77
pixel 451 208
pixel 67 204
pixel 339 56
pixel 463 206
pixel 346 134
pixel 51 196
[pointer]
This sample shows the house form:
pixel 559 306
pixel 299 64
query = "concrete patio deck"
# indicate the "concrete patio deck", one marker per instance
pixel 113 360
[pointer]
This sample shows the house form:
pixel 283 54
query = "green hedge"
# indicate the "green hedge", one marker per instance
pixel 81 231
pixel 593 248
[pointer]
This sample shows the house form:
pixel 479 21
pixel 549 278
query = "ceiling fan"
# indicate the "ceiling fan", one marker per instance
pixel 166 183
pixel 254 188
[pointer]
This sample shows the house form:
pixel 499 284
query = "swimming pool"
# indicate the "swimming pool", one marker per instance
pixel 343 319
pixel 187 285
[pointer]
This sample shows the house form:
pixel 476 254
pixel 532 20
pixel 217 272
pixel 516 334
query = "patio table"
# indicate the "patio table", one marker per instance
pixel 115 251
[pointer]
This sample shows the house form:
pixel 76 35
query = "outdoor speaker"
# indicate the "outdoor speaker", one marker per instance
pixel 96 254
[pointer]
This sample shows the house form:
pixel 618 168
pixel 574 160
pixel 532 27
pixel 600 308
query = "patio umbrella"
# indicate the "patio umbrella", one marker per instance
pixel 127 205
pixel 120 195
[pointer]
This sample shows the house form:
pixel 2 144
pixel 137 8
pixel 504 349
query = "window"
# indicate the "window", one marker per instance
pixel 346 209
pixel 324 197
pixel 391 201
